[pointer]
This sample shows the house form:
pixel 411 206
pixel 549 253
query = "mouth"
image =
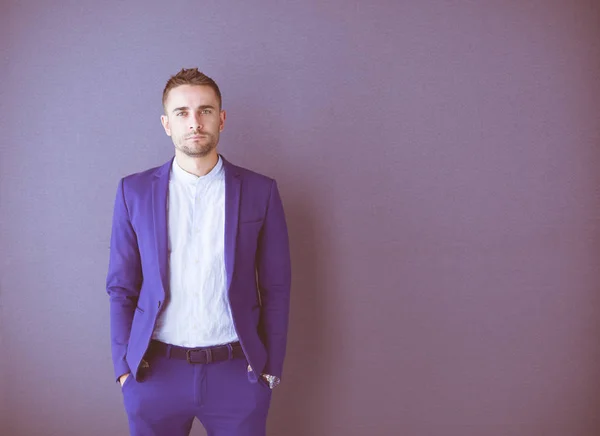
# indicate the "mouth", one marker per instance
pixel 196 137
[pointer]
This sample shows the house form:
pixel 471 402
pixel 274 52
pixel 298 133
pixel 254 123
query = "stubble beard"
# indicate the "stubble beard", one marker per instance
pixel 198 151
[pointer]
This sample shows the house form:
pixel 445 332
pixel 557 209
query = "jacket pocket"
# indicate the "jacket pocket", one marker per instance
pixel 250 222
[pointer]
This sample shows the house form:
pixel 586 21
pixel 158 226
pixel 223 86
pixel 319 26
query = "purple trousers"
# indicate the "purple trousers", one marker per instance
pixel 172 392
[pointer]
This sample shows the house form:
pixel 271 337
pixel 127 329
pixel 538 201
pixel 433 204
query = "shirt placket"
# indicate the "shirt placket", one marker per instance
pixel 198 267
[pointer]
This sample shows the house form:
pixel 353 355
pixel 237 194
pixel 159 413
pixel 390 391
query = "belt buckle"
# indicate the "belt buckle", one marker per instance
pixel 188 355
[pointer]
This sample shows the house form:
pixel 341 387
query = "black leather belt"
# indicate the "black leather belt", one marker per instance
pixel 201 355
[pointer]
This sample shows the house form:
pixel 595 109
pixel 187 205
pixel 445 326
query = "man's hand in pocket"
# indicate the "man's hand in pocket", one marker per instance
pixel 123 378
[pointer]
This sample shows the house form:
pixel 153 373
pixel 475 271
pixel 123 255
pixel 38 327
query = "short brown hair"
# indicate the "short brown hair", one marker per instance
pixel 190 76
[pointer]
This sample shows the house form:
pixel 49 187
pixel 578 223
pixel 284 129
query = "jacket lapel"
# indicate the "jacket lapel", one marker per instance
pixel 232 211
pixel 160 187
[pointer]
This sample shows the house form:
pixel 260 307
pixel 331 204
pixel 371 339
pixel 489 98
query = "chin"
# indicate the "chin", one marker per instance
pixel 201 152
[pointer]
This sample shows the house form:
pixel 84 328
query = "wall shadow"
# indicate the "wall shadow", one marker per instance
pixel 293 407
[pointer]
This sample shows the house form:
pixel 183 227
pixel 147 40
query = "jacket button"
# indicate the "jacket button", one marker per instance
pixel 159 303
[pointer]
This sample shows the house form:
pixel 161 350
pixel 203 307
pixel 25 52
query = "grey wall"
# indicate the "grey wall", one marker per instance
pixel 439 166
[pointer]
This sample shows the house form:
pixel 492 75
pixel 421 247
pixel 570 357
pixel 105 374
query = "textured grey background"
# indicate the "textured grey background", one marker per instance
pixel 438 162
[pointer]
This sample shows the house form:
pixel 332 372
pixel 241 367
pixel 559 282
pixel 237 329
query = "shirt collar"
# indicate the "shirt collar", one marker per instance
pixel 182 176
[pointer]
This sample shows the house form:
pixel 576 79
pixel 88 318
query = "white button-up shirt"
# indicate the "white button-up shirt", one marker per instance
pixel 197 311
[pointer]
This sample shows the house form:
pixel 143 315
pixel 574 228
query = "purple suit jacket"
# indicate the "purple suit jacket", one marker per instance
pixel 257 262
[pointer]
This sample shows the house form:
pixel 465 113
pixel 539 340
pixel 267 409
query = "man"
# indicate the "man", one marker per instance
pixel 199 280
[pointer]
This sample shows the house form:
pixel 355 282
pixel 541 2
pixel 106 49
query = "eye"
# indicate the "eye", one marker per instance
pixel 180 114
pixel 205 111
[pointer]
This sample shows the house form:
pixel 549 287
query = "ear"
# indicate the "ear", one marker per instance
pixel 222 117
pixel 165 123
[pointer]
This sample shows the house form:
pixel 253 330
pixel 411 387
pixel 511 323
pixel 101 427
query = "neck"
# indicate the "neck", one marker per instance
pixel 198 166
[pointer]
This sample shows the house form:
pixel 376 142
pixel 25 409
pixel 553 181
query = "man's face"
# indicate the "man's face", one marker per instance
pixel 193 119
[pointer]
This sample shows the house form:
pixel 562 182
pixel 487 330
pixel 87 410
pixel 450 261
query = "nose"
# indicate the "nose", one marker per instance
pixel 195 123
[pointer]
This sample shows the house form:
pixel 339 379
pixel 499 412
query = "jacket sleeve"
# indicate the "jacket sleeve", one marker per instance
pixel 274 281
pixel 124 280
